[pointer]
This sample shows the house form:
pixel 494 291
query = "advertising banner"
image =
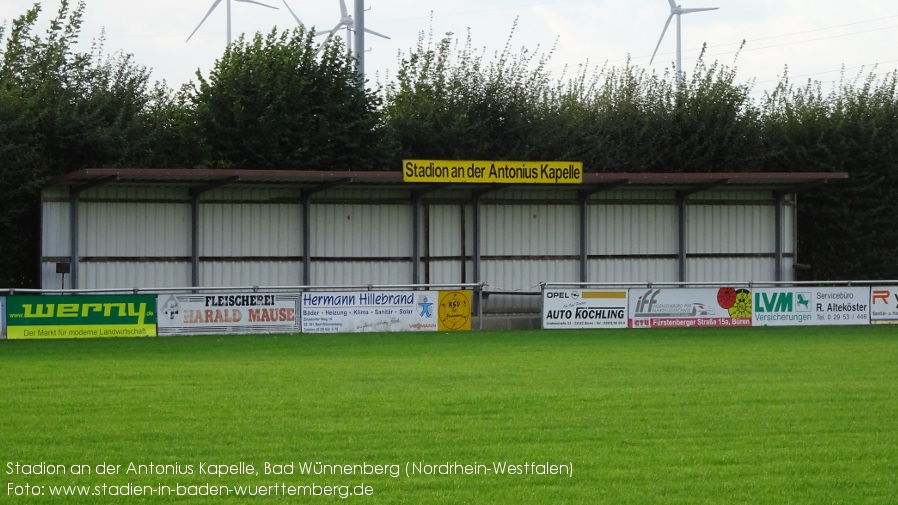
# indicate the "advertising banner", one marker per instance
pixel 810 306
pixel 884 305
pixel 455 310
pixel 369 311
pixel 87 316
pixel 574 308
pixel 689 307
pixel 231 313
pixel 2 317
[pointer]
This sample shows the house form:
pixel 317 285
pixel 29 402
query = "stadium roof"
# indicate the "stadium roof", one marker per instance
pixel 777 181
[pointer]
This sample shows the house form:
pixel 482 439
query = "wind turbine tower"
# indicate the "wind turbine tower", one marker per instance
pixel 215 4
pixel 356 25
pixel 676 10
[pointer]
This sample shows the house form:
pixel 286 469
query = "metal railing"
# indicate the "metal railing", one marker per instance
pixel 749 284
pixel 476 309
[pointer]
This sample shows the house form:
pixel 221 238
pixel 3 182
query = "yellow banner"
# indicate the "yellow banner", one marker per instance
pixel 82 331
pixel 454 311
pixel 506 172
pixel 605 294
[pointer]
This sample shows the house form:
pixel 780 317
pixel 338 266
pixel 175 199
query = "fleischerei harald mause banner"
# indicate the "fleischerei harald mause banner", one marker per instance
pixel 228 313
pixel 82 316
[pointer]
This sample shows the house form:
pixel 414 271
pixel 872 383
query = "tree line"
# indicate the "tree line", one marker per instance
pixel 275 101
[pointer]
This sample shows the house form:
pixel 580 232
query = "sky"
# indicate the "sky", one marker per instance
pixel 815 39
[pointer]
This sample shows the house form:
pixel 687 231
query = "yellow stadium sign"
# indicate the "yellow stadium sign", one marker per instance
pixel 505 172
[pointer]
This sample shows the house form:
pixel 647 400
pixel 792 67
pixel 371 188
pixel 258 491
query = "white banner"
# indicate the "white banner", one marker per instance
pixel 574 308
pixel 368 311
pixel 810 306
pixel 197 314
pixel 689 307
pixel 884 305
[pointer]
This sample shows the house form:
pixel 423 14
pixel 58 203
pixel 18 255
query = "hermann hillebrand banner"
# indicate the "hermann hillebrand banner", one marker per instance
pixel 87 316
pixel 229 313
pixel 370 311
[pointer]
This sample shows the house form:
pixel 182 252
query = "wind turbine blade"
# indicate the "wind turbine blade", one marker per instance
pixel 214 5
pixel 700 9
pixel 662 38
pixel 293 13
pixel 372 32
pixel 320 47
pixel 257 3
pixel 343 11
pixel 339 25
pixel 672 4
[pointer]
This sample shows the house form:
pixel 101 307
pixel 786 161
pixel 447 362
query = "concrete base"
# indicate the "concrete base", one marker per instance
pixel 508 322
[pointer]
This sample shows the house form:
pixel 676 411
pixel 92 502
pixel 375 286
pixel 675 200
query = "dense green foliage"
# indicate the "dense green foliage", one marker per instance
pixel 691 416
pixel 271 103
pixel 275 102
pixel 60 111
pixel 845 229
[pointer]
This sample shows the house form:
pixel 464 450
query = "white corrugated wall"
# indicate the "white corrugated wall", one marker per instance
pixel 527 237
pixel 370 244
pixel 133 237
pixel 250 237
pixel 447 241
pixel 141 237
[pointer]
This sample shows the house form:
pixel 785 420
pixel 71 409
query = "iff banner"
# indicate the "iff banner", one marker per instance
pixel 87 316
pixel 690 307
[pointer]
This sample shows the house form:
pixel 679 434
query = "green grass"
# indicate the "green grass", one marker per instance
pixel 750 416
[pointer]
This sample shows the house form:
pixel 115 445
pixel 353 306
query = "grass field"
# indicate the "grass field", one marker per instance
pixel 750 416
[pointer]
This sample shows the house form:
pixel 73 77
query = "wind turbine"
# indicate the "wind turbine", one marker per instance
pixel 215 4
pixel 676 10
pixel 300 23
pixel 347 22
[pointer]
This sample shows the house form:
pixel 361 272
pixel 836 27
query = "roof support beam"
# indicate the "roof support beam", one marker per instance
pixel 306 199
pixel 682 246
pixel 583 198
pixel 74 196
pixel 778 238
pixel 417 195
pixel 195 194
pixel 476 197
pixel 681 236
